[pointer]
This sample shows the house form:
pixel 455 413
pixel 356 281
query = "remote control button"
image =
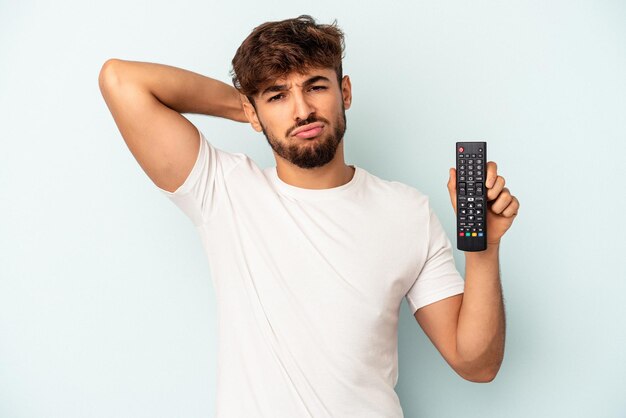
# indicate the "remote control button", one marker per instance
pixel 462 178
pixel 470 205
pixel 480 234
pixel 474 234
pixel 473 155
pixel 471 199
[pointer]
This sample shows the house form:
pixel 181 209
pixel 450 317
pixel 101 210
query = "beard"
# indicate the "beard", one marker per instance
pixel 313 152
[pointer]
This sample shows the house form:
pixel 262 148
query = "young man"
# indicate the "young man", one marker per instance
pixel 310 259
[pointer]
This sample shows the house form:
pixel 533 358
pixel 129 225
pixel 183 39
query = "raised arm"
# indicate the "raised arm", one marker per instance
pixel 147 101
pixel 469 330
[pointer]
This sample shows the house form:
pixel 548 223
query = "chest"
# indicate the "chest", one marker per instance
pixel 336 254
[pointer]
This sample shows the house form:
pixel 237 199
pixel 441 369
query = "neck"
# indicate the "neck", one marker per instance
pixel 334 174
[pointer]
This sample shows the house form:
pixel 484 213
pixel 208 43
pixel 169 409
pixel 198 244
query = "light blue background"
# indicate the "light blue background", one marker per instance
pixel 106 303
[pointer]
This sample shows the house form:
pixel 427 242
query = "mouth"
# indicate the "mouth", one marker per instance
pixel 309 132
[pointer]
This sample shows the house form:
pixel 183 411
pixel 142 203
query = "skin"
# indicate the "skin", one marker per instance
pixel 316 163
pixel 467 329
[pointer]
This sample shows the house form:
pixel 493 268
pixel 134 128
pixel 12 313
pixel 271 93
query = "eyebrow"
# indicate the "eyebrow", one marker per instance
pixel 283 87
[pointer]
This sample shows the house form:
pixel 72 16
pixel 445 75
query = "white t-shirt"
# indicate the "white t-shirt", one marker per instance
pixel 309 284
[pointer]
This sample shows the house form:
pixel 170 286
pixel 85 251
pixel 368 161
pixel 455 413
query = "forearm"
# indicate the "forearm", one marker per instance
pixel 179 89
pixel 481 323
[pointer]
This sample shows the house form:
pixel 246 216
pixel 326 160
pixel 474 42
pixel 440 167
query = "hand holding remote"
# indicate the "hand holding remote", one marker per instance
pixel 502 206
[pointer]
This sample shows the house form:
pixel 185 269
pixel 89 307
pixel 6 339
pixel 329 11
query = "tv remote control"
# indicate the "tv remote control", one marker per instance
pixel 471 196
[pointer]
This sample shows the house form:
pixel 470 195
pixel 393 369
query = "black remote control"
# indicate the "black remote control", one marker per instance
pixel 471 196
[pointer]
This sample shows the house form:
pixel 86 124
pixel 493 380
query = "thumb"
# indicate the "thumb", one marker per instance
pixel 452 179
pixel 452 187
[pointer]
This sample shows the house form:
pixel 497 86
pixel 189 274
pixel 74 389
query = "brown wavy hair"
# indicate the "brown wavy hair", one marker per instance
pixel 275 49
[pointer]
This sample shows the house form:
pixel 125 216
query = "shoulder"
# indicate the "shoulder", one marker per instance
pixel 396 191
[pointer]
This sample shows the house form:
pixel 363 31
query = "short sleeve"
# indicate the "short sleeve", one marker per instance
pixel 438 277
pixel 202 190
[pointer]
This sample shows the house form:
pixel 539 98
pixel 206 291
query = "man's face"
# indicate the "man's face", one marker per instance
pixel 298 102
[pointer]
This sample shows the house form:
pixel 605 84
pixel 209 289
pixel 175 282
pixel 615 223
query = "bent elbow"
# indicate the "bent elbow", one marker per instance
pixel 483 375
pixel 483 378
pixel 108 75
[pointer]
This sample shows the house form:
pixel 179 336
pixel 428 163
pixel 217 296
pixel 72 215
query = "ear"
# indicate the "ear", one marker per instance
pixel 250 113
pixel 346 91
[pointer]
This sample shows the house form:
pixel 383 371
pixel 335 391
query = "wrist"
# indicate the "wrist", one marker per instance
pixel 491 251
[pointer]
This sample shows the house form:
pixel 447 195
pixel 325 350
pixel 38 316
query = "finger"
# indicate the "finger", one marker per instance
pixel 512 209
pixel 492 174
pixel 452 187
pixel 452 178
pixel 243 98
pixel 496 189
pixel 502 202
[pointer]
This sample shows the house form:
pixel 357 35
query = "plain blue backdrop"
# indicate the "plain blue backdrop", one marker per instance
pixel 106 302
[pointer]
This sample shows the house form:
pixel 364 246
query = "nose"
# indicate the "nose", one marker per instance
pixel 302 108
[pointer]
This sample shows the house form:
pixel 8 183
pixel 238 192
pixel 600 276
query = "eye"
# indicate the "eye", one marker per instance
pixel 274 97
pixel 318 87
